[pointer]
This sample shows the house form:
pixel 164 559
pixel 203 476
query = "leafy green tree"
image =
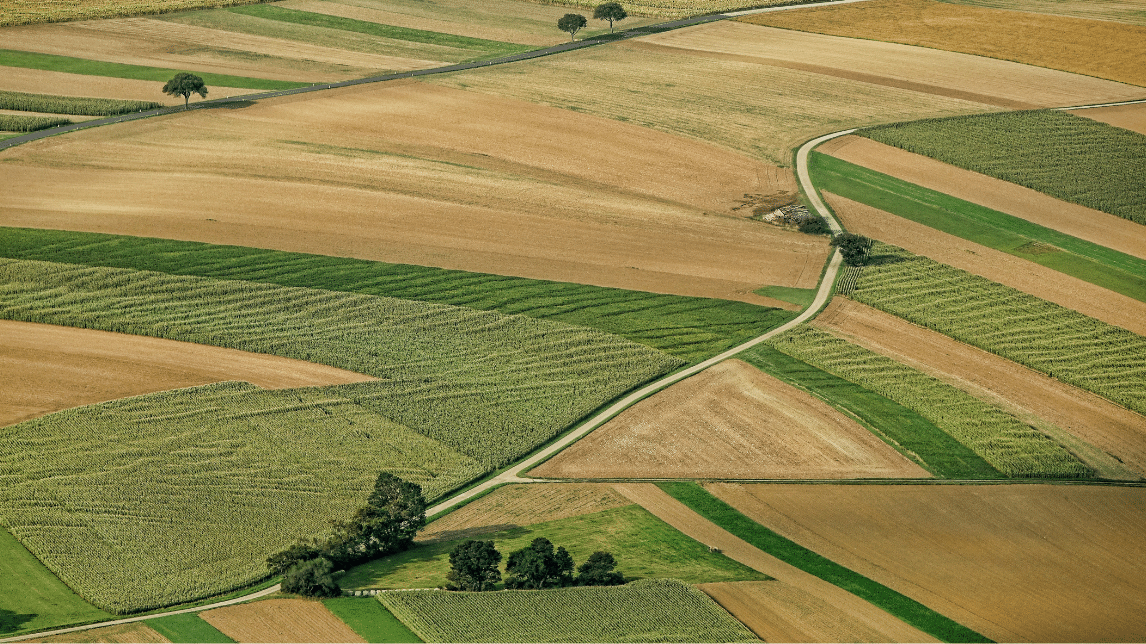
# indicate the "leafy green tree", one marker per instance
pixel 302 550
pixel 311 579
pixel 571 23
pixel 853 247
pixel 185 85
pixel 473 566
pixel 610 11
pixel 539 566
pixel 598 571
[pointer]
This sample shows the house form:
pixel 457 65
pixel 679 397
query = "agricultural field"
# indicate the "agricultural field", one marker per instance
pixel 127 633
pixel 1132 12
pixel 280 620
pixel 186 628
pixel 1096 48
pixel 32 598
pixel 1128 117
pixel 658 610
pixel 369 619
pixel 996 558
pixel 730 421
pixel 17 12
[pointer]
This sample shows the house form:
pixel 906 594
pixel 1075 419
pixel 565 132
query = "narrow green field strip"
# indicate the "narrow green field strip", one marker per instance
pixel 271 12
pixel 32 598
pixel 187 628
pixel 901 606
pixel 1072 256
pixel 1070 157
pixel 900 426
pixel 23 124
pixel 369 618
pixel 52 62
pixel 76 105
pixel 691 328
pixel 799 296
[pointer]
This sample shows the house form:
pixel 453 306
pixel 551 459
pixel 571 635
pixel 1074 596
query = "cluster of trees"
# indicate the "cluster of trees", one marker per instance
pixel 393 514
pixel 574 22
pixel 474 566
pixel 852 247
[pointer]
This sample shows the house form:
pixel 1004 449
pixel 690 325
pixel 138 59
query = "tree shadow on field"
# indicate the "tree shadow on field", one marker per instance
pixel 881 260
pixel 10 622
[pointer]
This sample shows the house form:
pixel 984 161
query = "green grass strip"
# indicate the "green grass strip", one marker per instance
pixel 187 628
pixel 308 18
pixel 52 62
pixel 797 296
pixel 76 105
pixel 370 619
pixel 32 598
pixel 901 606
pixel 1072 256
pixel 901 427
pixel 692 328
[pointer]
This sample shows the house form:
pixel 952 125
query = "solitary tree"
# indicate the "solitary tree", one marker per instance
pixel 610 11
pixel 538 566
pixel 853 247
pixel 185 85
pixel 598 571
pixel 311 579
pixel 473 566
pixel 572 23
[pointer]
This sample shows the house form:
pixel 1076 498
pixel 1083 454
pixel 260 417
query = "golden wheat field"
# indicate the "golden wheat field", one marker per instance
pixel 1131 12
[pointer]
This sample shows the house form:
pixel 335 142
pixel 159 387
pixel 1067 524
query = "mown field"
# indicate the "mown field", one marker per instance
pixel 187 628
pixel 659 610
pixel 367 617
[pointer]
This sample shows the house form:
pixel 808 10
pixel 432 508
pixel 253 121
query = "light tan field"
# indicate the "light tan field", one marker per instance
pixel 421 174
pixel 126 633
pixel 1128 11
pixel 47 368
pixel 1130 117
pixel 1031 395
pixel 800 592
pixel 730 421
pixel 280 620
pixel 1041 563
pixel 38 81
pixel 997 266
pixel 520 505
pixel 1078 221
pixel 1091 47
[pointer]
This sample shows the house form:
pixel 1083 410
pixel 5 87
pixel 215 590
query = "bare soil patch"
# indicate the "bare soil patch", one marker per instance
pixel 421 174
pixel 778 612
pixel 856 615
pixel 1078 221
pixel 280 620
pixel 1032 395
pixel 1130 117
pixel 997 266
pixel 38 81
pixel 730 421
pixel 521 505
pixel 999 559
pixel 126 633
pixel 48 368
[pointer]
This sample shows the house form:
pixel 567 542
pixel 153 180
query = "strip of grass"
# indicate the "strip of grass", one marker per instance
pixel 369 618
pixel 79 106
pixel 901 606
pixel 488 47
pixel 1079 258
pixel 798 296
pixel 901 427
pixel 187 628
pixel 32 598
pixel 20 123
pixel 1070 157
pixel 54 63
pixel 691 328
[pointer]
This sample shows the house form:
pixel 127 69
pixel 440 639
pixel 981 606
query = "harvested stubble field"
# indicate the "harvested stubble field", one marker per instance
pixel 1035 397
pixel 1132 12
pixel 998 559
pixel 126 633
pixel 1091 47
pixel 420 174
pixel 39 81
pixel 280 620
pixel 48 368
pixel 730 421
pixel 1129 117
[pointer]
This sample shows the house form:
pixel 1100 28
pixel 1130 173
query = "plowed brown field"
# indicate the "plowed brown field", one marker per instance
pixel 1111 428
pixel 422 174
pixel 730 421
pixel 1130 117
pixel 47 368
pixel 127 633
pixel 280 620
pixel 998 266
pixel 1042 563
pixel 521 505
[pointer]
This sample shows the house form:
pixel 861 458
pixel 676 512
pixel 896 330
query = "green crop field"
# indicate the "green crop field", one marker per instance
pixel 1002 440
pixel 799 296
pixel 51 62
pixel 20 123
pixel 71 104
pixel 659 610
pixel 917 437
pixel 187 628
pixel 367 617
pixel 32 598
pixel 645 547
pixel 1085 260
pixel 903 607
pixel 1069 157
pixel 691 328
pixel 1079 350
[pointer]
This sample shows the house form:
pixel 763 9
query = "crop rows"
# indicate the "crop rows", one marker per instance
pixel 71 104
pixel 651 610
pixel 682 8
pixel 1005 442
pixel 1069 157
pixel 38 11
pixel 20 123
pixel 1064 344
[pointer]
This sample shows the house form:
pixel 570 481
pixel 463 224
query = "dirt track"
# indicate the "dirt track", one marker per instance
pixel 280 620
pixel 730 421
pixel 1041 563
pixel 47 368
